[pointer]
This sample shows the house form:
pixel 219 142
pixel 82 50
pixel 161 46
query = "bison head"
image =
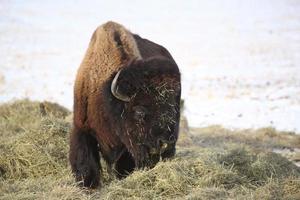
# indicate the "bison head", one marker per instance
pixel 145 103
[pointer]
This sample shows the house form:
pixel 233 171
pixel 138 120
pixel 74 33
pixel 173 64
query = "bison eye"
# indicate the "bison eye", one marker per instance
pixel 139 112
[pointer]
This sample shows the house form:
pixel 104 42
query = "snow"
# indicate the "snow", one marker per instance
pixel 239 59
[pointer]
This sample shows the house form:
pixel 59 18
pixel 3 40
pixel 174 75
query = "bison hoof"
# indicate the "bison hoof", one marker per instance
pixel 88 178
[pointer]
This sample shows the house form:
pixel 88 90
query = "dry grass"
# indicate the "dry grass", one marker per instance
pixel 211 163
pixel 33 140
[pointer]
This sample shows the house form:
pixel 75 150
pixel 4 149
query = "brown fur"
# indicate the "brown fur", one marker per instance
pixel 111 48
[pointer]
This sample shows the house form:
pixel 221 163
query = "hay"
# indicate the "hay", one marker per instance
pixel 261 139
pixel 48 187
pixel 286 189
pixel 212 163
pixel 33 144
pixel 258 168
pixel 19 116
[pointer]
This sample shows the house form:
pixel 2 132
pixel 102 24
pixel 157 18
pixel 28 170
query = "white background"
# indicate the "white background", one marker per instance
pixel 240 60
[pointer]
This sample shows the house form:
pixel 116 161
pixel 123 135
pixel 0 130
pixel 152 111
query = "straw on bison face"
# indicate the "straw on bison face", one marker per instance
pixel 126 105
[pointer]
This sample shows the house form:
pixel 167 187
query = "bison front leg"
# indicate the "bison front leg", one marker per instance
pixel 124 165
pixel 84 158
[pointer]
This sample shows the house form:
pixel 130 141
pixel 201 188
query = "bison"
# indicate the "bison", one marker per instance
pixel 126 105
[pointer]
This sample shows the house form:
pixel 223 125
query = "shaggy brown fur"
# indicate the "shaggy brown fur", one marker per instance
pixel 116 128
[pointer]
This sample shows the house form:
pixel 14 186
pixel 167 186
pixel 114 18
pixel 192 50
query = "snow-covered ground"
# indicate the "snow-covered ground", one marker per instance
pixel 240 60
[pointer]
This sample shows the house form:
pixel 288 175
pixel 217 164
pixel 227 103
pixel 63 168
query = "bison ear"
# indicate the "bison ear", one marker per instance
pixel 115 89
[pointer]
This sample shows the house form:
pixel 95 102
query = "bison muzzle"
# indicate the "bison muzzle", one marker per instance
pixel 126 105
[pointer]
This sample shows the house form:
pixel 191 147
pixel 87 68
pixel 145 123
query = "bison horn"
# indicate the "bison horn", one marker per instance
pixel 114 89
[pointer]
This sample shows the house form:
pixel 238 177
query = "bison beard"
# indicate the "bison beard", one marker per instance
pixel 126 105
